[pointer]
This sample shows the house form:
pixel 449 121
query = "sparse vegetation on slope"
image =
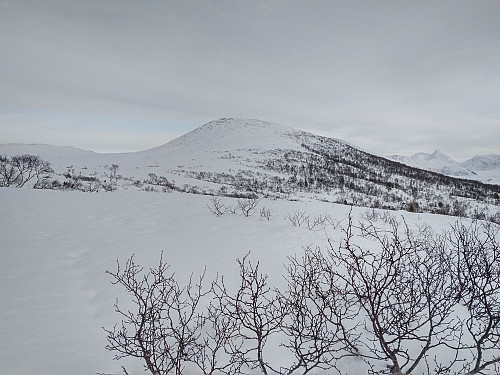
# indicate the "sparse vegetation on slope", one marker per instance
pixel 249 158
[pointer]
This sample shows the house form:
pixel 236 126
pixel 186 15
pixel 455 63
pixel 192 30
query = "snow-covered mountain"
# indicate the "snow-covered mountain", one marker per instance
pixel 216 146
pixel 485 168
pixel 237 157
pixel 482 163
pixel 436 162
pixel 224 146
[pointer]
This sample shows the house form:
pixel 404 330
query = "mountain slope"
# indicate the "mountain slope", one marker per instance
pixel 484 168
pixel 436 162
pixel 232 134
pixel 482 163
pixel 236 157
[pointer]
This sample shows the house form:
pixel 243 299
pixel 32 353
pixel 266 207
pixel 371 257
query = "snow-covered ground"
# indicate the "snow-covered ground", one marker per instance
pixel 233 157
pixel 56 246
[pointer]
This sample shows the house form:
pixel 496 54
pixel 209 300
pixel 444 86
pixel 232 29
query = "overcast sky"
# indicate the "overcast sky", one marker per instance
pixel 118 75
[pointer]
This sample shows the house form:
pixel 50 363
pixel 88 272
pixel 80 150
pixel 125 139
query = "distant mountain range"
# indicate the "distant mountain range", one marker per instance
pixel 244 158
pixel 484 168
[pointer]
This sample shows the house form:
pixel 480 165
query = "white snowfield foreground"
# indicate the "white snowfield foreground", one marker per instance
pixel 56 246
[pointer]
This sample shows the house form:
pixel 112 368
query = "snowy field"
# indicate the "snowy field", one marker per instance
pixel 56 246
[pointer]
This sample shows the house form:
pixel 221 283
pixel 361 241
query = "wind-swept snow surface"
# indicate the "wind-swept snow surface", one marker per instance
pixel 56 247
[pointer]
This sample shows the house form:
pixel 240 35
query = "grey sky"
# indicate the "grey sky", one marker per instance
pixel 120 75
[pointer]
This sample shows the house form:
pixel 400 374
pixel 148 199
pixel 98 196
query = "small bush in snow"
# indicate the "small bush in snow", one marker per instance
pixel 216 206
pixel 296 218
pixel 247 206
pixel 318 222
pixel 265 213
pixel 314 223
pixel 18 170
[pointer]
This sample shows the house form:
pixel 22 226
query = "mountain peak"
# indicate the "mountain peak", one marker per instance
pixel 437 161
pixel 231 123
pixel 438 155
pixel 483 162
pixel 235 133
pixel 436 152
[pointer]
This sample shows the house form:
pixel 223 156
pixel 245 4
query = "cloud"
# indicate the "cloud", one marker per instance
pixel 388 76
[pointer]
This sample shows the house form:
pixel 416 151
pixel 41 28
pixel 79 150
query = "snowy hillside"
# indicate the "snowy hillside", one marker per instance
pixel 236 157
pixel 217 146
pixel 485 168
pixel 436 162
pixel 234 134
pixel 482 163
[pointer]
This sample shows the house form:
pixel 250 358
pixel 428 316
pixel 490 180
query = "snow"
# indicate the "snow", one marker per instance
pixel 484 168
pixel 56 247
pixel 218 146
pixel 483 163
pixel 436 162
pixel 225 146
pixel 231 134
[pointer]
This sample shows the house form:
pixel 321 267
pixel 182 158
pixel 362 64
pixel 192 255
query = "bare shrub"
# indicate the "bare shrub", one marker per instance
pixel 219 339
pixel 18 170
pixel 371 215
pixel 296 218
pixel 396 303
pixel 476 264
pixel 165 327
pixel 257 311
pixel 113 169
pixel 162 181
pixel 403 292
pixel 247 206
pixel 110 187
pixel 318 222
pixel 216 206
pixel 265 213
pixel 316 324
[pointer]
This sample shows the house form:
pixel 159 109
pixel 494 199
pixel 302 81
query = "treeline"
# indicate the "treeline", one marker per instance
pixel 325 169
pixel 350 176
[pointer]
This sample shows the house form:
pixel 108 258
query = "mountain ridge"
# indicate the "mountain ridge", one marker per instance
pixel 440 162
pixel 249 158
